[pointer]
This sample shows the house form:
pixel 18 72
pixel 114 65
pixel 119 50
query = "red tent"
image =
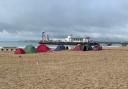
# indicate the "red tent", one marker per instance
pixel 78 47
pixel 42 48
pixel 19 51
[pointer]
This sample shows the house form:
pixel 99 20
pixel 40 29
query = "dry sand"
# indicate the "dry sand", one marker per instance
pixel 106 69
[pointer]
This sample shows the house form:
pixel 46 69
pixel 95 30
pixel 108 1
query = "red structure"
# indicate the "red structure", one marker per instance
pixel 45 37
pixel 42 48
pixel 19 51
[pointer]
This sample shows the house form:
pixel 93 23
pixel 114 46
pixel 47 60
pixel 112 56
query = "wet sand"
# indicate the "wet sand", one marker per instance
pixel 106 69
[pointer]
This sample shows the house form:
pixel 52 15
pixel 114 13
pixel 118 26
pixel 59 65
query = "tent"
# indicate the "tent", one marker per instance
pixel 60 48
pixel 30 49
pixel 78 47
pixel 66 47
pixel 87 47
pixel 42 48
pixel 19 51
pixel 97 48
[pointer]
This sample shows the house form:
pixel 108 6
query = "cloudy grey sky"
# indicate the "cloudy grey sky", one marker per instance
pixel 99 19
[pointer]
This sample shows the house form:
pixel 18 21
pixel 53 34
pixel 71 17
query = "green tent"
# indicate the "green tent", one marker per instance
pixel 30 49
pixel 87 47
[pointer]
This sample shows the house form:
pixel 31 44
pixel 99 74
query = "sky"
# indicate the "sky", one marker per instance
pixel 105 20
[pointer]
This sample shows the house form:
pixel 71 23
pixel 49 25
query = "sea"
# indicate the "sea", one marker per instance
pixel 18 44
pixel 22 44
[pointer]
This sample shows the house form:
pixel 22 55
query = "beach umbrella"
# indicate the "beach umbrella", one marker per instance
pixel 19 51
pixel 60 48
pixel 42 48
pixel 30 49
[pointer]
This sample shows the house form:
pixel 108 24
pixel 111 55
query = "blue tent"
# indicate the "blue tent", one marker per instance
pixel 60 48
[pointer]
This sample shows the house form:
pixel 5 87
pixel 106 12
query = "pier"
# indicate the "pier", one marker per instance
pixel 82 43
pixel 66 43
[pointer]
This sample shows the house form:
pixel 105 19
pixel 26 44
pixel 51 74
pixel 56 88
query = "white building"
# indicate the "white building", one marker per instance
pixel 77 39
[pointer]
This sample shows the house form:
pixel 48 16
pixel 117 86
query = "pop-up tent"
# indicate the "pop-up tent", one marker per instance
pixel 66 47
pixel 87 47
pixel 97 47
pixel 19 51
pixel 60 48
pixel 42 48
pixel 78 47
pixel 30 49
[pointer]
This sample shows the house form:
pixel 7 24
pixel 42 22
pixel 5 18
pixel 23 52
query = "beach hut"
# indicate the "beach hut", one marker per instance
pixel 30 49
pixel 87 47
pixel 60 48
pixel 19 51
pixel 78 47
pixel 42 48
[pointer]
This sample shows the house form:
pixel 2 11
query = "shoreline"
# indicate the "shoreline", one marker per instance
pixel 104 48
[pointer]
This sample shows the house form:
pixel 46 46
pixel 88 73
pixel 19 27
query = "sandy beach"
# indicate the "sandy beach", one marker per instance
pixel 106 69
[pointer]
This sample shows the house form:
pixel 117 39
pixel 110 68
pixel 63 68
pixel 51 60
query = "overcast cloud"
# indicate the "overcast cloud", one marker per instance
pixel 99 19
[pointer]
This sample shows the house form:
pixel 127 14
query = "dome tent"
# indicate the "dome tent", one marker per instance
pixel 30 49
pixel 97 47
pixel 78 47
pixel 42 48
pixel 66 47
pixel 87 47
pixel 60 48
pixel 19 51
